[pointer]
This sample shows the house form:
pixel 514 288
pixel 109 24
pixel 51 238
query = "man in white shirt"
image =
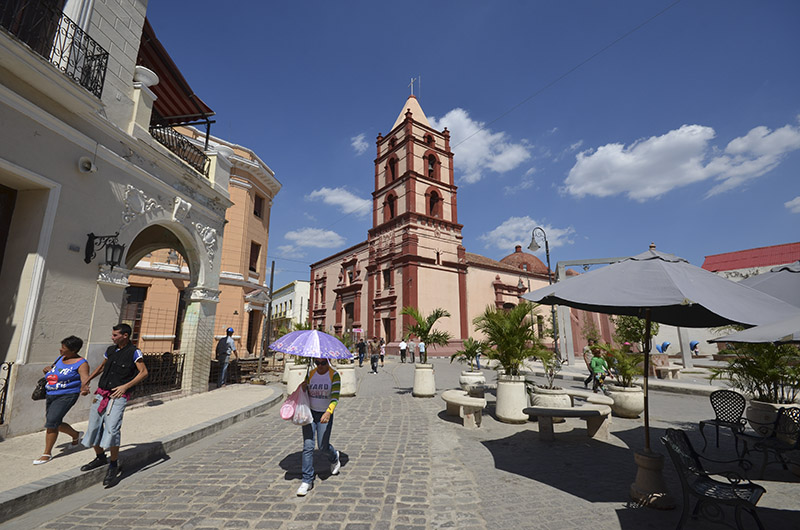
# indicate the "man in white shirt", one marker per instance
pixel 403 347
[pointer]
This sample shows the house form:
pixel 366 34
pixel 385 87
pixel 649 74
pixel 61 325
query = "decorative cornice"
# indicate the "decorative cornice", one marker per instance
pixel 239 183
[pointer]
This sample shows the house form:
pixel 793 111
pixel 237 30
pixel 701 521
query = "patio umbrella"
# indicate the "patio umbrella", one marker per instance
pixel 664 288
pixel 311 343
pixel 667 289
pixel 781 332
pixel 782 282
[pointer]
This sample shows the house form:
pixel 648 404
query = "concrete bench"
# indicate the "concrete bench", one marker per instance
pixel 589 397
pixel 466 407
pixel 597 419
pixel 668 372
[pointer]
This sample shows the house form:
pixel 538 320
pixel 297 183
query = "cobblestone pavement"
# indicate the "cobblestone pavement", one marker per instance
pixel 407 466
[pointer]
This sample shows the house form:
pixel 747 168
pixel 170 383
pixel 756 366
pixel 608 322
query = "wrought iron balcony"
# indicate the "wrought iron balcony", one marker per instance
pixel 52 35
pixel 179 145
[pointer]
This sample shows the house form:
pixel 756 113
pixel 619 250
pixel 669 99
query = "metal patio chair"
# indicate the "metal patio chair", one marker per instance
pixel 729 408
pixel 784 438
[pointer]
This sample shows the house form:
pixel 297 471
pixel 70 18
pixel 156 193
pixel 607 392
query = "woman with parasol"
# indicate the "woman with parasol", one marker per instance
pixel 322 384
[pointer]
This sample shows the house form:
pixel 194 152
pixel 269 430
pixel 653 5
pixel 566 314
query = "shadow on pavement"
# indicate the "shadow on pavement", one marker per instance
pixel 293 465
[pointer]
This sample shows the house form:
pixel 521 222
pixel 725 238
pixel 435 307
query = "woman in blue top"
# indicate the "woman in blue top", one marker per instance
pixel 64 381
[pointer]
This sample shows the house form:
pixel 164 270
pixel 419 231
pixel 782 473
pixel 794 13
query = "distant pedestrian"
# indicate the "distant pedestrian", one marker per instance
pixel 478 359
pixel 225 348
pixel 323 385
pixel 403 348
pixel 587 358
pixel 66 379
pixel 412 348
pixel 122 368
pixel 694 348
pixel 374 354
pixel 362 351
pixel 383 350
pixel 423 357
pixel 600 371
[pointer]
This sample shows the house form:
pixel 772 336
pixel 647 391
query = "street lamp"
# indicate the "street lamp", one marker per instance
pixel 533 247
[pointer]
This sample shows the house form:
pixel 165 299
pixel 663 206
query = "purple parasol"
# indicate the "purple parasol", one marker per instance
pixel 311 343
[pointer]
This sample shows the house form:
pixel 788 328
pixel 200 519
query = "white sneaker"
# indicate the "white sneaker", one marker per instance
pixel 336 465
pixel 303 489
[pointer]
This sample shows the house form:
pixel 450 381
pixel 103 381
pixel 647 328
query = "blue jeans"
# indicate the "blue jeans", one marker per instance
pixel 223 369
pixel 322 432
pixel 360 358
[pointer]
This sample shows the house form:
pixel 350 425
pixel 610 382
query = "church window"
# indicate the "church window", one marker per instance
pixel 392 143
pixel 390 208
pixel 524 266
pixel 429 140
pixel 392 169
pixel 387 278
pixel 434 205
pixel 431 166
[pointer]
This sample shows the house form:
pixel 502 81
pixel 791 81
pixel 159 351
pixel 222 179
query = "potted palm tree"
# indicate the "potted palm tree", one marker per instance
pixel 472 348
pixel 769 374
pixel 423 328
pixel 628 397
pixel 511 336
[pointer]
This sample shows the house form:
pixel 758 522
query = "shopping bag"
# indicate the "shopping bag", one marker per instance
pixel 288 407
pixel 302 412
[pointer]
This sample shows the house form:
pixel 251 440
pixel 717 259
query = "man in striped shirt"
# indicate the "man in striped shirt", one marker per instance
pixel 323 386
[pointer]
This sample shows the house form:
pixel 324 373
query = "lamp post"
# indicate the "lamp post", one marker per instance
pixel 533 247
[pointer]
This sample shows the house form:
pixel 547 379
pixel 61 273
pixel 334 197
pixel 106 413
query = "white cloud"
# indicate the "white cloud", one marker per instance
pixel 291 252
pixel 651 167
pixel 526 182
pixel 479 150
pixel 793 205
pixel 517 231
pixel 568 151
pixel 314 237
pixel 359 144
pixel 344 200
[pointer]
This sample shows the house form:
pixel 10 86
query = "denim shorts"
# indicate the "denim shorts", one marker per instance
pixel 57 407
pixel 104 428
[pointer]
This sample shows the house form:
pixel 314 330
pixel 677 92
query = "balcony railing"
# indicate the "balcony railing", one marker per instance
pixel 179 145
pixel 52 35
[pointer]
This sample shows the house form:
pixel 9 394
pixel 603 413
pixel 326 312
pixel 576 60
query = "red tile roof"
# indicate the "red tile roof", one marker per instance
pixel 753 257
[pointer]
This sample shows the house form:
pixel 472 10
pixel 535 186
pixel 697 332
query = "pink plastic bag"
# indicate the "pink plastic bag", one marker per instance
pixel 289 406
pixel 302 411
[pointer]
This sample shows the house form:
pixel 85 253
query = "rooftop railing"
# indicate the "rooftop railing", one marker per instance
pixel 179 145
pixel 52 35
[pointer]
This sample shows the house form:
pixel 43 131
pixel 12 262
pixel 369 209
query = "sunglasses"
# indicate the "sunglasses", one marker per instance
pixel 320 361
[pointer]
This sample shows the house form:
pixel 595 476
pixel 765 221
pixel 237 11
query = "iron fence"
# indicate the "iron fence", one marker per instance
pixel 5 372
pixel 180 146
pixel 164 373
pixel 56 38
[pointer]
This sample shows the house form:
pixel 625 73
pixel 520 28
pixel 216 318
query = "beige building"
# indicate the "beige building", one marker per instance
pixel 154 302
pixel 413 255
pixel 89 102
pixel 289 306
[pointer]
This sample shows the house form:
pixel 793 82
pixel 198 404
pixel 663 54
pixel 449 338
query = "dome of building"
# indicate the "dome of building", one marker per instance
pixel 525 261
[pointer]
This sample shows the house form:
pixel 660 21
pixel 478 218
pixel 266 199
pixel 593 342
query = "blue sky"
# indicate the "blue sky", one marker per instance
pixel 684 132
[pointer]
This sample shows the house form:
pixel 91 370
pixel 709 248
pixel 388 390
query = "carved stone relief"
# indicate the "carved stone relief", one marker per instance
pixel 203 294
pixel 138 203
pixel 117 277
pixel 180 209
pixel 209 237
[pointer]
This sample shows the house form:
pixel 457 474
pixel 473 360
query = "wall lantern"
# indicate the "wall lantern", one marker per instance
pixel 113 248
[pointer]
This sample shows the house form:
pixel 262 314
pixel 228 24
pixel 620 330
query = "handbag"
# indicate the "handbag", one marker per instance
pixel 289 406
pixel 40 392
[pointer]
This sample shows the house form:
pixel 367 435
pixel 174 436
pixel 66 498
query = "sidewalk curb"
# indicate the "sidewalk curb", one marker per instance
pixel 22 499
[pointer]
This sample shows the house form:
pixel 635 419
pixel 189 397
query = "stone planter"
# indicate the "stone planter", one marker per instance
pixel 424 382
pixel 554 398
pixel 628 400
pixel 296 375
pixel 511 399
pixel 288 362
pixel 468 379
pixel 347 373
pixel 761 412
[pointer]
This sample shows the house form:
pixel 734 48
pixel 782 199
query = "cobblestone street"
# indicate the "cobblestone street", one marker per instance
pixel 405 465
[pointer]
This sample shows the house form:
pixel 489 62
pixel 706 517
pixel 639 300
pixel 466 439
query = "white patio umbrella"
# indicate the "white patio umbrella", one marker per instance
pixel 663 288
pixel 781 332
pixel 782 282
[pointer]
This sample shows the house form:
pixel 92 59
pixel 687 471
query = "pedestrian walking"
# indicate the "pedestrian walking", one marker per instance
pixel 382 350
pixel 66 379
pixel 322 385
pixel 403 348
pixel 122 368
pixel 374 354
pixel 362 351
pixel 225 348
pixel 587 358
pixel 423 357
pixel 412 348
pixel 600 371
